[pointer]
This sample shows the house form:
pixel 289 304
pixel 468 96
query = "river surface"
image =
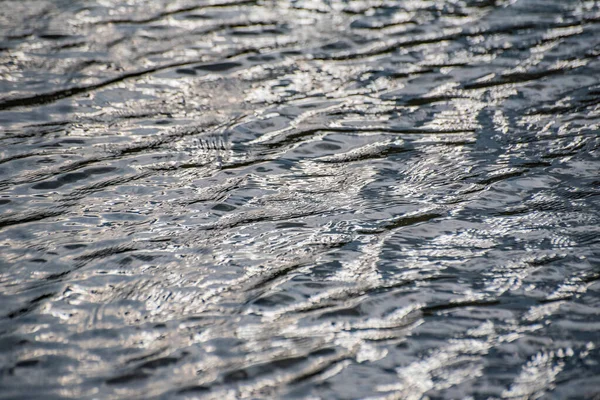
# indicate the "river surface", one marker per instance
pixel 317 199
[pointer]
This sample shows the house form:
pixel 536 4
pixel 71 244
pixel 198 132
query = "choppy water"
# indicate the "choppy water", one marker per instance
pixel 299 199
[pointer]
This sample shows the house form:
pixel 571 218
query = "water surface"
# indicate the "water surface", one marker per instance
pixel 299 199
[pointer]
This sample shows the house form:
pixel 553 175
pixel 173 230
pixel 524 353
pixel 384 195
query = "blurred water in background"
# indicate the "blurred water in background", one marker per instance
pixel 299 199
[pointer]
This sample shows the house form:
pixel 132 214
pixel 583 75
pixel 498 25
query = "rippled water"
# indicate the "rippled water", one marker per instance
pixel 299 199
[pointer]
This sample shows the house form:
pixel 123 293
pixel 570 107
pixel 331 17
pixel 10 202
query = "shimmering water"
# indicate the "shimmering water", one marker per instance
pixel 317 199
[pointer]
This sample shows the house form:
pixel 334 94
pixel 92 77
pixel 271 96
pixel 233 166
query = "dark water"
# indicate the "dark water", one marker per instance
pixel 299 199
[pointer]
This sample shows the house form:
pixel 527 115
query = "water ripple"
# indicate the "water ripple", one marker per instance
pixel 306 199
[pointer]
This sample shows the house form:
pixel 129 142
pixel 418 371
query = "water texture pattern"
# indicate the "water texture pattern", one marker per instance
pixel 311 199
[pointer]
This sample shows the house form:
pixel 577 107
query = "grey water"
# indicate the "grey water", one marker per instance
pixel 310 199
